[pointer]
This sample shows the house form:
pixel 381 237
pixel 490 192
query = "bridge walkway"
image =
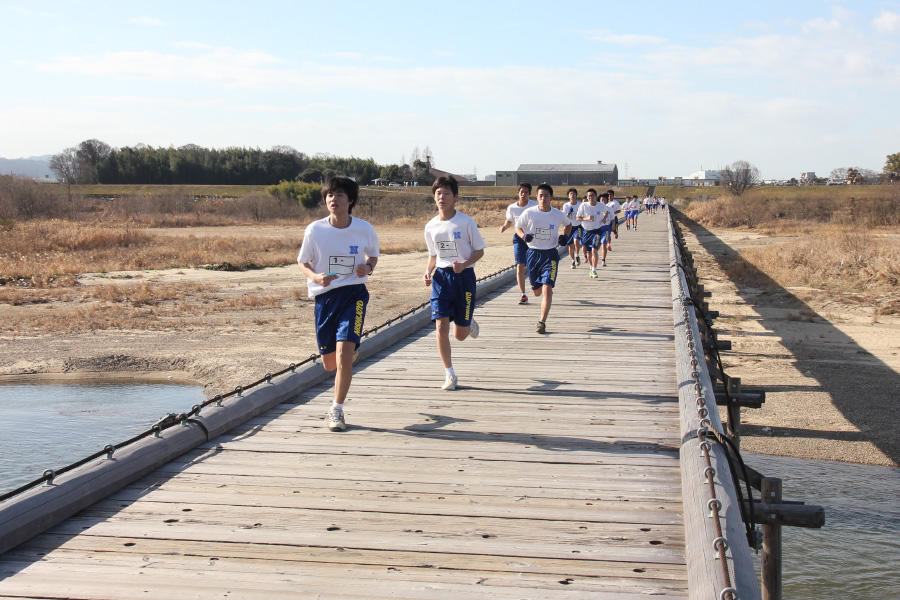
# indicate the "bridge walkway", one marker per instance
pixel 552 472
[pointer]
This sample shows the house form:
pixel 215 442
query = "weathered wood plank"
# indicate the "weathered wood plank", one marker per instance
pixel 551 473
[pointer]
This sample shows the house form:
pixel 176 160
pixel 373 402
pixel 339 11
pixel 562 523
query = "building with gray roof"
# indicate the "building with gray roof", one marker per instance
pixel 561 174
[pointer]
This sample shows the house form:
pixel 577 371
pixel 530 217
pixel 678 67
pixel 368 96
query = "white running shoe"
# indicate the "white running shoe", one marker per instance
pixel 473 329
pixel 336 420
pixel 450 383
pixel 603 263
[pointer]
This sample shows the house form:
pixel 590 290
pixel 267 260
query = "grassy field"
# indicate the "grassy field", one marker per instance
pixel 841 240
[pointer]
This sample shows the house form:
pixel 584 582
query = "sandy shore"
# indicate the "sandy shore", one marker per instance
pixel 830 371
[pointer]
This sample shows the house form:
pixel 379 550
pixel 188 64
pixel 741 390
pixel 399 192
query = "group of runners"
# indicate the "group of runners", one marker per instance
pixel 340 252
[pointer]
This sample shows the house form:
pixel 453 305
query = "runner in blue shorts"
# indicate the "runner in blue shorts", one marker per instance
pixel 543 228
pixel 519 246
pixel 454 245
pixel 337 256
pixel 570 209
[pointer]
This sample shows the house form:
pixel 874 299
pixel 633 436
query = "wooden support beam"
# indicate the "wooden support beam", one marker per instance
pixel 787 513
pixel 748 398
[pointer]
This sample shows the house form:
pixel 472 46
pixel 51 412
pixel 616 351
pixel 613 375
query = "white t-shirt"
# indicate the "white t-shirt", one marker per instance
pixel 544 226
pixel 614 205
pixel 570 210
pixel 329 249
pixel 453 240
pixel 514 210
pixel 599 215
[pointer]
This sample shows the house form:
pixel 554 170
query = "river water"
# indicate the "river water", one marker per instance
pixel 857 554
pixel 48 425
pixel 854 557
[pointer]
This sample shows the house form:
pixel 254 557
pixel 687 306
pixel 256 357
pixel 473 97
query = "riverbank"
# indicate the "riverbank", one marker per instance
pixel 828 360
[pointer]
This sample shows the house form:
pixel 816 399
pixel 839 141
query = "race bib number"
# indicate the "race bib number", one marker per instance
pixel 342 265
pixel 542 233
pixel 447 249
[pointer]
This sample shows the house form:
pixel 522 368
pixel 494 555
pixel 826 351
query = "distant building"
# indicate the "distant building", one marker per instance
pixel 439 173
pixel 808 177
pixel 703 178
pixel 561 174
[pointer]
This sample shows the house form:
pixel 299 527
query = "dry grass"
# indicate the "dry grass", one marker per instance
pixel 797 210
pixel 832 259
pixel 43 253
pixel 844 247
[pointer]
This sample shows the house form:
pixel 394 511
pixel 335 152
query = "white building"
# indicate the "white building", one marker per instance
pixel 703 178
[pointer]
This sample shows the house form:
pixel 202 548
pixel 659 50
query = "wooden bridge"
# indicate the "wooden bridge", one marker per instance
pixel 553 471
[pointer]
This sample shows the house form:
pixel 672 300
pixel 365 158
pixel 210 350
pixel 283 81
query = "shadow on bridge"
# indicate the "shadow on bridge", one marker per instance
pixel 865 392
pixel 435 428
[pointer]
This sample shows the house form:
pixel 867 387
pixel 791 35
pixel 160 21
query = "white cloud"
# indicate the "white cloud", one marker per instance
pixel 225 66
pixel 821 25
pixel 623 39
pixel 150 21
pixel 887 22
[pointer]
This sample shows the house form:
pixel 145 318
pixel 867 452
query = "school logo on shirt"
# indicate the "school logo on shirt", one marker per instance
pixel 354 249
pixel 457 235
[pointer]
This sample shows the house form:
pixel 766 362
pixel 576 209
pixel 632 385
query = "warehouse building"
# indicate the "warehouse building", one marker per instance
pixel 565 174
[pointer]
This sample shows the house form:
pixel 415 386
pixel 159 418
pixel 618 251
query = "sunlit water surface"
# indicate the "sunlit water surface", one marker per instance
pixel 50 425
pixel 856 555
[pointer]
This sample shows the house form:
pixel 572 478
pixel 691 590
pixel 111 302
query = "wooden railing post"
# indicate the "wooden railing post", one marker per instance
pixel 770 490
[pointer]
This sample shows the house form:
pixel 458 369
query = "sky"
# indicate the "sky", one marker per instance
pixel 659 88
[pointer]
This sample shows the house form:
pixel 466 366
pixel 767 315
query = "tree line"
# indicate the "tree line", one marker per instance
pixel 94 161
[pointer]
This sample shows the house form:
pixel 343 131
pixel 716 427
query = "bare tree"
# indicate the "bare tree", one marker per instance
pixel 739 177
pixel 66 166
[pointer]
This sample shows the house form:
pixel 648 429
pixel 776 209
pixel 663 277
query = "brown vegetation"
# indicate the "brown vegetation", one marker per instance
pixel 847 247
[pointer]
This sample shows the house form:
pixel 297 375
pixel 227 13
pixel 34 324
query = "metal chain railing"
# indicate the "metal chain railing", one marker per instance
pixel 187 418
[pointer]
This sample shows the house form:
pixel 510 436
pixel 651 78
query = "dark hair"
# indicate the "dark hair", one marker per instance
pixel 612 193
pixel 445 181
pixel 343 184
pixel 589 191
pixel 525 185
pixel 572 190
pixel 546 187
pixel 604 196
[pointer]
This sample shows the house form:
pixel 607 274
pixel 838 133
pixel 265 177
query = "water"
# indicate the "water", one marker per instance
pixel 856 554
pixel 47 425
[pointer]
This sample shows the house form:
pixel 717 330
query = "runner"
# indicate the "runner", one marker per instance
pixel 337 256
pixel 519 247
pixel 454 245
pixel 606 219
pixel 543 228
pixel 617 208
pixel 569 209
pixel 630 203
pixel 589 216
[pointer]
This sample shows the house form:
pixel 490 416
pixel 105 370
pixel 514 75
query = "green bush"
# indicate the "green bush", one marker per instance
pixel 309 195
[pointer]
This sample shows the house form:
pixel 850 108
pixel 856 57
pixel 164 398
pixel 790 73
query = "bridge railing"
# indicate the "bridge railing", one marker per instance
pixel 717 551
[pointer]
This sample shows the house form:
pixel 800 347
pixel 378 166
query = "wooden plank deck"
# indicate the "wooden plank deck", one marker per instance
pixel 552 472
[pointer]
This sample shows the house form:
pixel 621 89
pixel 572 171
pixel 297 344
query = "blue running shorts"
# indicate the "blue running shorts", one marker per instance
pixel 542 267
pixel 520 247
pixel 340 314
pixel 453 295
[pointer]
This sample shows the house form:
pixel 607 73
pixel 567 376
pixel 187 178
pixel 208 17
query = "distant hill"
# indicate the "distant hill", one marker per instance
pixel 33 166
